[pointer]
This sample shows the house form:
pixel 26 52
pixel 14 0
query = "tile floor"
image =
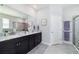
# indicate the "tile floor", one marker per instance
pixel 54 49
pixel 40 49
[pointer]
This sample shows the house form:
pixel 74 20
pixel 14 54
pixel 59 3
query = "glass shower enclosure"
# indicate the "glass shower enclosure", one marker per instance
pixel 76 31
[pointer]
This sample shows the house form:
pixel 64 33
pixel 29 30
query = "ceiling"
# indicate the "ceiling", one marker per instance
pixel 37 6
pixel 41 6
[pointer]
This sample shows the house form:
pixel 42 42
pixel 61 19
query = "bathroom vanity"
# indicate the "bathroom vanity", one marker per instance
pixel 20 44
pixel 18 32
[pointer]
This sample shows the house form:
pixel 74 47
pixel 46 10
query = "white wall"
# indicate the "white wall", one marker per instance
pixel 41 14
pixel 70 12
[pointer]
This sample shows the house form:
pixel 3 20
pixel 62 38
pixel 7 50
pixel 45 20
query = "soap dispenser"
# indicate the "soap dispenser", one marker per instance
pixel 37 28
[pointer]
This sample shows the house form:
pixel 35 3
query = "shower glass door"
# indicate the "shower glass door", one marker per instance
pixel 76 32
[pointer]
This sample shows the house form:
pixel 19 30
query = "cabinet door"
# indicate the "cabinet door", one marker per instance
pixel 37 38
pixel 31 42
pixel 7 47
pixel 22 45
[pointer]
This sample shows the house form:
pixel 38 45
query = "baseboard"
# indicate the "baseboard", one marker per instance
pixel 56 43
pixel 51 43
pixel 76 48
pixel 67 42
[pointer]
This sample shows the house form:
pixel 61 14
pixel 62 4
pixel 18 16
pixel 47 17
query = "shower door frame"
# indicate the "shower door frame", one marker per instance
pixel 74 28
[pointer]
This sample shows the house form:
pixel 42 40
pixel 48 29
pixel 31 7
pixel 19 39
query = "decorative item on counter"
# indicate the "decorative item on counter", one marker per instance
pixel 25 27
pixel 30 26
pixel 5 33
pixel 14 26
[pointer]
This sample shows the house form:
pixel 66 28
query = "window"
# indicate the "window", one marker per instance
pixel 66 25
pixel 5 23
pixel 66 30
pixel 66 36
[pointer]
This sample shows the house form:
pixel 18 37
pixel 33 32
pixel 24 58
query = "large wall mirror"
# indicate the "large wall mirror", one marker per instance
pixel 12 21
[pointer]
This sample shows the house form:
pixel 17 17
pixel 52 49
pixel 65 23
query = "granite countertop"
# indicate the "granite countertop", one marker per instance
pixel 3 38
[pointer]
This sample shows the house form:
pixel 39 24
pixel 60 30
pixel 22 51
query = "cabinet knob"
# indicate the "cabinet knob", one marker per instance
pixel 18 44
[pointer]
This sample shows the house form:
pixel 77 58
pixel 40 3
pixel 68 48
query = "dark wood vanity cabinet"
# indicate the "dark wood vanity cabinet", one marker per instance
pixel 7 47
pixel 21 45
